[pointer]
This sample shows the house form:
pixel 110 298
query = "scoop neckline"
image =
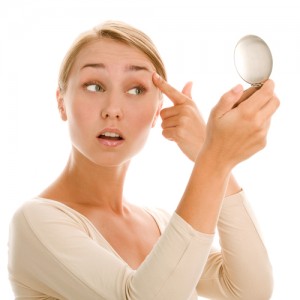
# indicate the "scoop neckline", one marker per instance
pixel 147 210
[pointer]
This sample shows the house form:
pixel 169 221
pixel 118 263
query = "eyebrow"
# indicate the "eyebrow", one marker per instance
pixel 127 68
pixel 97 66
pixel 136 68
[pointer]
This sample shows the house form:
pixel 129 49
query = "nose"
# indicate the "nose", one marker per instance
pixel 112 108
pixel 110 115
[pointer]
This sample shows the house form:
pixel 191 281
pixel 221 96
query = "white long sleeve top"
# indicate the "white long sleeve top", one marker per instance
pixel 56 253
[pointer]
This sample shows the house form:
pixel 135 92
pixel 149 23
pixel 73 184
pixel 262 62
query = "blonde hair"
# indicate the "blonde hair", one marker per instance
pixel 117 31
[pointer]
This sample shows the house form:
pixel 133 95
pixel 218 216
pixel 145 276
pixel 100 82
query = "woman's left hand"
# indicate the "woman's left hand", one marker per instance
pixel 182 122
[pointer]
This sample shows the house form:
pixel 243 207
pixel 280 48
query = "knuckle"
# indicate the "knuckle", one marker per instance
pixel 263 142
pixel 268 88
pixel 163 113
pixel 226 99
pixel 247 115
pixel 257 124
pixel 163 125
pixel 166 134
pixel 179 132
pixel 189 108
pixel 183 121
pixel 277 101
pixel 262 138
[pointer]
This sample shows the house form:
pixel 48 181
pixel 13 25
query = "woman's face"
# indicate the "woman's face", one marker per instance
pixel 110 103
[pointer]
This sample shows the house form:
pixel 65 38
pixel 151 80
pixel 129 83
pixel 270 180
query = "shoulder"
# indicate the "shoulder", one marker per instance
pixel 37 208
pixel 27 212
pixel 161 216
pixel 37 214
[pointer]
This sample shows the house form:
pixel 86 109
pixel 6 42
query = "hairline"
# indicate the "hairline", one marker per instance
pixel 139 41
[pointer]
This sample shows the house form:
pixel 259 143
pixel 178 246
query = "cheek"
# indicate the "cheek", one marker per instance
pixel 81 114
pixel 79 107
pixel 81 118
pixel 146 115
pixel 149 105
pixel 81 111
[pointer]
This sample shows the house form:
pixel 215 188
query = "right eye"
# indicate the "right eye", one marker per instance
pixel 94 87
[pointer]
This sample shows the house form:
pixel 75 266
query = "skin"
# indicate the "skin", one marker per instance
pixel 233 134
pixel 93 179
pixel 184 124
pixel 102 96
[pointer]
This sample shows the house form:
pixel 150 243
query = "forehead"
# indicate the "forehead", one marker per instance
pixel 110 52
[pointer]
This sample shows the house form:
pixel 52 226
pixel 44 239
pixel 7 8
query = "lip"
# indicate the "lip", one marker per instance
pixel 110 142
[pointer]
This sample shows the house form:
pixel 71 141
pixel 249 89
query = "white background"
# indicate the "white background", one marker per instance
pixel 196 40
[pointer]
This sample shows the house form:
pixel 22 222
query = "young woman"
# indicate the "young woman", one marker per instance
pixel 80 239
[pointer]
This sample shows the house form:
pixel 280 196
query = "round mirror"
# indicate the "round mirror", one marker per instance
pixel 253 60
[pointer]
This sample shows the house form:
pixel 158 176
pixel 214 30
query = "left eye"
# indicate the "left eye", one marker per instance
pixel 94 87
pixel 136 90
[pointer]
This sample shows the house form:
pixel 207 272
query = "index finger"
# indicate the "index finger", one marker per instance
pixel 175 96
pixel 262 96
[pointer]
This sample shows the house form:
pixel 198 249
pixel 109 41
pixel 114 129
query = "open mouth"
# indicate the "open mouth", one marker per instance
pixel 110 136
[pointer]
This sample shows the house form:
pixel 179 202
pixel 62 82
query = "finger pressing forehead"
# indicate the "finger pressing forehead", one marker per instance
pixel 174 95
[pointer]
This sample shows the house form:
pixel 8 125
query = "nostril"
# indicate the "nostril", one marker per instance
pixel 107 115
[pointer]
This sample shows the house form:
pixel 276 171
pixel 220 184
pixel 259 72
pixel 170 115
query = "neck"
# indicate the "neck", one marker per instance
pixel 83 182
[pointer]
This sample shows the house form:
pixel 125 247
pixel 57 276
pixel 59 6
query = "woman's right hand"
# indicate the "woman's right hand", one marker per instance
pixel 236 133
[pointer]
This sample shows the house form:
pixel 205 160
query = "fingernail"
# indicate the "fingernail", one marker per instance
pixel 237 89
pixel 156 76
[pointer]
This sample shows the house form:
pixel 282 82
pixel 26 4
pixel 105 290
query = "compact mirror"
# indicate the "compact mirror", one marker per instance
pixel 253 60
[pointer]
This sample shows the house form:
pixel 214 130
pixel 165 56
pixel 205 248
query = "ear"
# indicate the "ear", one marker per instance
pixel 157 112
pixel 61 104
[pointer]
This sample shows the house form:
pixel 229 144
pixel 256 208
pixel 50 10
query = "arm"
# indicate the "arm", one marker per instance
pixel 240 265
pixel 51 251
pixel 232 135
pixel 242 269
pixel 54 252
pixel 183 123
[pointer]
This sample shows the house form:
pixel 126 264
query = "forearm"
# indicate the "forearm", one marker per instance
pixel 174 266
pixel 170 271
pixel 202 200
pixel 243 261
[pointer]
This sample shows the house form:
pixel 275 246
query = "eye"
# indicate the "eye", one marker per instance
pixel 138 90
pixel 94 87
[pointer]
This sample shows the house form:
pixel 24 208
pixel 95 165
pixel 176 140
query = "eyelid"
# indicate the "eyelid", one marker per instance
pixel 140 87
pixel 96 83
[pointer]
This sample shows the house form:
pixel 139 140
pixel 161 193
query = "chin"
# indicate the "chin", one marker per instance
pixel 111 161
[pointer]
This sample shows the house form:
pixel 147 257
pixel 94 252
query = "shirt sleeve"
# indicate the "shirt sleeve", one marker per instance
pixel 50 252
pixel 241 270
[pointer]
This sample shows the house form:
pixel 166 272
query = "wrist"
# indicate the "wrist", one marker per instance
pixel 214 162
pixel 233 187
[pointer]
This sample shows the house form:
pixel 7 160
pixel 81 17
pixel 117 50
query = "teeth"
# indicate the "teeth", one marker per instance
pixel 110 134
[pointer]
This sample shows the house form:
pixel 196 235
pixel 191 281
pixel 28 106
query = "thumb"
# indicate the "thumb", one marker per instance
pixel 228 100
pixel 187 89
